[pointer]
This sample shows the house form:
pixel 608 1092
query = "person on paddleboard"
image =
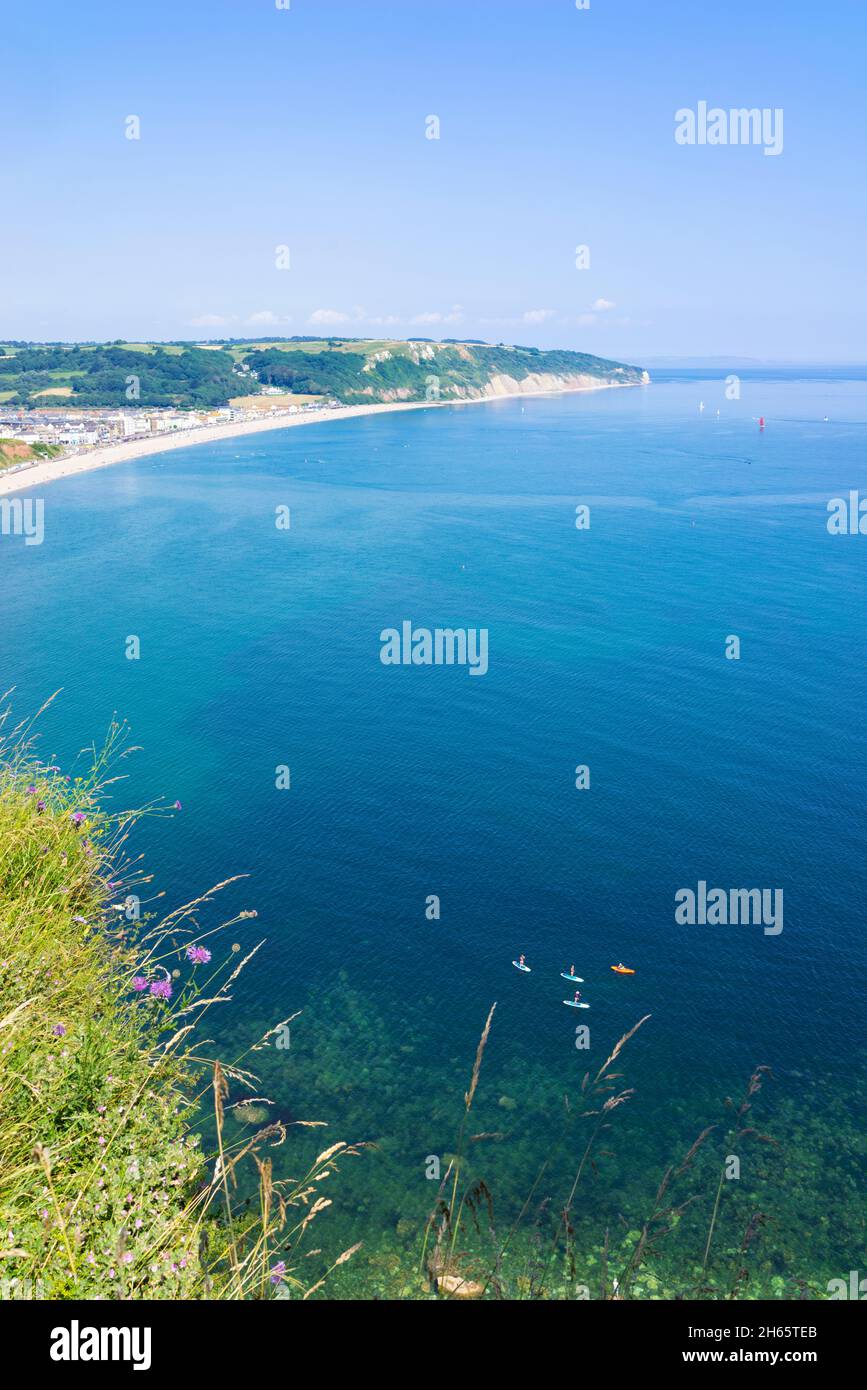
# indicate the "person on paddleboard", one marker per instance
pixel 577 995
pixel 520 960
pixel 571 970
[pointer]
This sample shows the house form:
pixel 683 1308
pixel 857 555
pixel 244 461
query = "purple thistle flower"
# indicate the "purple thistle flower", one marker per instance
pixel 78 817
pixel 31 791
pixel 199 955
pixel 278 1271
pixel 139 983
pixel 59 1030
pixel 162 989
pixel 40 805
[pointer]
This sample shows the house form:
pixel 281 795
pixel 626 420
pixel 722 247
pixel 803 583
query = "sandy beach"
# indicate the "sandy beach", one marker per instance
pixel 37 475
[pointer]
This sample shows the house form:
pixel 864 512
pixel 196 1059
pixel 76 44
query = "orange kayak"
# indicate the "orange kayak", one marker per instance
pixel 622 970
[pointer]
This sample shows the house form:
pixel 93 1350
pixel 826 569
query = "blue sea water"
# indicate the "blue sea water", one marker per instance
pixel 260 647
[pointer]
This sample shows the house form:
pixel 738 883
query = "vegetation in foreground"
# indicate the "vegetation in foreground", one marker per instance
pixel 105 1190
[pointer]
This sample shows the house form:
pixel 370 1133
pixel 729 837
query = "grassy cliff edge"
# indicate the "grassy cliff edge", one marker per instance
pixel 106 1190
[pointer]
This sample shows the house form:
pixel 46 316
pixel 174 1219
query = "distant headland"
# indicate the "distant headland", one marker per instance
pixel 66 408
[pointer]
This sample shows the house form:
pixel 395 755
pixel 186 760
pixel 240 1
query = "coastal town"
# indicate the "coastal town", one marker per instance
pixel 69 433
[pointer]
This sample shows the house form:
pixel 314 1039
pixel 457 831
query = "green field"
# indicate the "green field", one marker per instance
pixel 124 375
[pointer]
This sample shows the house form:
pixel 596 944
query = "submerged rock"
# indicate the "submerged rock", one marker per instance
pixel 250 1114
pixel 454 1286
pixel 506 1103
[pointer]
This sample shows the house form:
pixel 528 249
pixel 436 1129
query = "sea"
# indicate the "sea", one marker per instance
pixel 672 710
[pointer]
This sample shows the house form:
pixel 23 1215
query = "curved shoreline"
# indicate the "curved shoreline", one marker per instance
pixel 38 474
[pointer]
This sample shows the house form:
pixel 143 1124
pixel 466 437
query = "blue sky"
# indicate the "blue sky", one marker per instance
pixel 305 127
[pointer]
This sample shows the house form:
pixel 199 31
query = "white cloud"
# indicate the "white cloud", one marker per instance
pixel 454 315
pixel 210 321
pixel 537 315
pixel 266 318
pixel 600 306
pixel 328 317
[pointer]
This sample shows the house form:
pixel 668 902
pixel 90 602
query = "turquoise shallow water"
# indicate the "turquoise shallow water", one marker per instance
pixel 260 647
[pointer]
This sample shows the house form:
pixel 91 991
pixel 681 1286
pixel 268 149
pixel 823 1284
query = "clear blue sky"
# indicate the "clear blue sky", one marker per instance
pixel 306 127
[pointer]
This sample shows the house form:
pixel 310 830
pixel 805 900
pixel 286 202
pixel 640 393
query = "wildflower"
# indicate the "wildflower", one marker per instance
pixel 31 791
pixel 139 983
pixel 278 1271
pixel 78 817
pixel 162 989
pixel 59 1030
pixel 199 955
pixel 40 805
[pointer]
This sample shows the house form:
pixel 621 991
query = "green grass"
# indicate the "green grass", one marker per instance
pixel 105 1191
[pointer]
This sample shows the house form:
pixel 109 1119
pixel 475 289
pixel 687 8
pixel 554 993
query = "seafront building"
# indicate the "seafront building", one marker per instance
pixel 75 431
